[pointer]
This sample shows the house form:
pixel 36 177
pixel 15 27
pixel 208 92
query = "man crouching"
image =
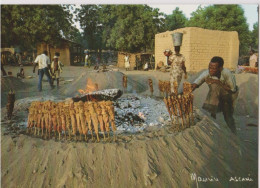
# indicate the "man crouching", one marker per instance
pixel 222 90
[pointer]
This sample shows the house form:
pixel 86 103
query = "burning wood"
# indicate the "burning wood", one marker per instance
pixel 107 94
pixel 80 117
pixel 181 105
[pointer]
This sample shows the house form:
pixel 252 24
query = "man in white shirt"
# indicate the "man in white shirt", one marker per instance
pixel 222 90
pixel 87 60
pixel 44 66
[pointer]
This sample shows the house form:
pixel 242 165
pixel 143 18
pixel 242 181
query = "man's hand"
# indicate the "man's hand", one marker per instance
pixel 213 81
pixel 194 86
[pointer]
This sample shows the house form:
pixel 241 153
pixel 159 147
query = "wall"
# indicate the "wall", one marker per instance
pixel 199 46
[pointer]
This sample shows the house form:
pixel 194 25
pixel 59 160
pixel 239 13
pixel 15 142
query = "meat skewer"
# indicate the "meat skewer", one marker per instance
pixel 88 120
pixel 63 118
pixel 111 112
pixel 78 119
pixel 105 117
pixel 100 118
pixel 54 119
pixel 73 120
pixel 151 85
pixel 82 118
pixel 94 118
pixel 180 109
pixel 167 104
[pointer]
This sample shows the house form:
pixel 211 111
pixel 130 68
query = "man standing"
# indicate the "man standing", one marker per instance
pixel 44 65
pixel 222 90
pixel 127 62
pixel 87 59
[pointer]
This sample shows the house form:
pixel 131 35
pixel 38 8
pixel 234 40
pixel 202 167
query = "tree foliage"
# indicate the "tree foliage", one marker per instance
pixel 25 25
pixel 254 36
pixel 225 18
pixel 175 20
pixel 120 27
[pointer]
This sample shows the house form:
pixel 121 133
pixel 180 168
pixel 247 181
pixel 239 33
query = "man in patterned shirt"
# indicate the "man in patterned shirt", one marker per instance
pixel 222 90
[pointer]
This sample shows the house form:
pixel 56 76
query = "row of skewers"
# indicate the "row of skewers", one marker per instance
pixel 71 118
pixel 180 106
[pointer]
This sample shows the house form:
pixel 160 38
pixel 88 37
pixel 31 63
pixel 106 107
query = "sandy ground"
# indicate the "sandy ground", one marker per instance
pixel 158 157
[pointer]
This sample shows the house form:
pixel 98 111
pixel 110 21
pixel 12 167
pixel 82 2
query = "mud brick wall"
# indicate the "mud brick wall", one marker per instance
pixel 199 46
pixel 121 60
pixel 64 52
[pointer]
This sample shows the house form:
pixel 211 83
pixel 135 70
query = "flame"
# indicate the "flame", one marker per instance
pixel 90 87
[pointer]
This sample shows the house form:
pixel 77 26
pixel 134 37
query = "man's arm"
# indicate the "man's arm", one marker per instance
pixel 35 64
pixel 200 80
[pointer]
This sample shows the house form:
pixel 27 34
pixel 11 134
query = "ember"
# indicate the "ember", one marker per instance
pixel 90 87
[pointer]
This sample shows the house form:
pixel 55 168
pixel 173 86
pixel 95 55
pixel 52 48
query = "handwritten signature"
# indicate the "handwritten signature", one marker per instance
pixel 196 178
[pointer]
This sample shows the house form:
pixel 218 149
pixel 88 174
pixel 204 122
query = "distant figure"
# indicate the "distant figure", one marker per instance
pixel 87 60
pixel 44 66
pixel 127 62
pixel 146 66
pixel 56 69
pixel 222 90
pixel 21 73
pixel 253 61
pixel 177 67
pixel 98 62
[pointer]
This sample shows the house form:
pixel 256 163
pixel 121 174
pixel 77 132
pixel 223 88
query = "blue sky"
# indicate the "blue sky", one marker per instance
pixel 250 10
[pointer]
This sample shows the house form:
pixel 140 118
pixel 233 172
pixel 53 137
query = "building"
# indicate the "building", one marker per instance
pixel 71 53
pixel 199 46
pixel 137 60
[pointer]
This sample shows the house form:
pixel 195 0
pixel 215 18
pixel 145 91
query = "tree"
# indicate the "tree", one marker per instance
pixel 225 18
pixel 121 27
pixel 175 20
pixel 28 24
pixel 88 16
pixel 254 36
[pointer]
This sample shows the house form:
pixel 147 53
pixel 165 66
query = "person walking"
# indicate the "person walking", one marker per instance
pixel 43 62
pixel 177 68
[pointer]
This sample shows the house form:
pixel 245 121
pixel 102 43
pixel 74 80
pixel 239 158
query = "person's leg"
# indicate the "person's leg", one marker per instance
pixel 41 73
pixel 46 71
pixel 227 108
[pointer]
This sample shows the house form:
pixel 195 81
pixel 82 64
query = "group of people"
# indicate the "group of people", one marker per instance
pixel 222 85
pixel 221 82
pixel 51 69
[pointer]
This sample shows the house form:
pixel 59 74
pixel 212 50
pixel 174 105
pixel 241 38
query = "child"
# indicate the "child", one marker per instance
pixel 56 68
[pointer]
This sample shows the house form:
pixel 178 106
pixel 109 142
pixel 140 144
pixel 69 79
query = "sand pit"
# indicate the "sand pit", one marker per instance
pixel 154 158
pixel 13 83
pixel 205 155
